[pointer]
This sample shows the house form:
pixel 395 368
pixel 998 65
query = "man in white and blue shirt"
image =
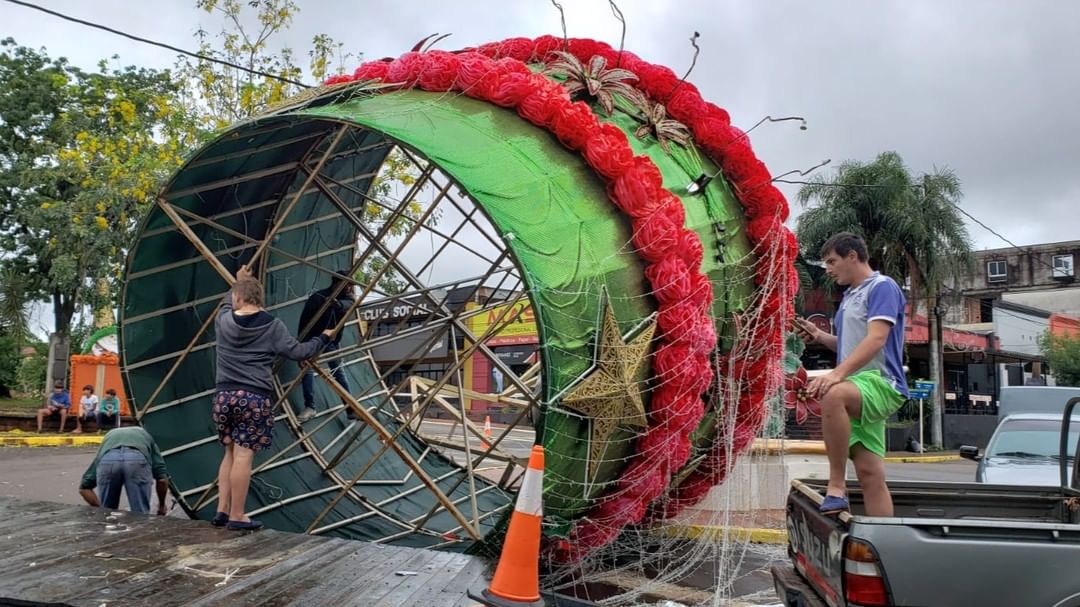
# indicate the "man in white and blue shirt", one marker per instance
pixel 868 384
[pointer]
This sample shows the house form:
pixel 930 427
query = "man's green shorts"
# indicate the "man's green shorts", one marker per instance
pixel 879 401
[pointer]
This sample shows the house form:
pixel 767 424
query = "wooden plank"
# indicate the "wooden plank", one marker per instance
pixel 180 574
pixel 424 564
pixel 308 580
pixel 370 575
pixel 169 562
pixel 424 591
pixel 471 577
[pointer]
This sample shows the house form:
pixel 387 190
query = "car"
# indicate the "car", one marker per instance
pixel 1023 451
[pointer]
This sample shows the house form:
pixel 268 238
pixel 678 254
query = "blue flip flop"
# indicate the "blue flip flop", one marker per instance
pixel 834 504
pixel 252 525
pixel 220 519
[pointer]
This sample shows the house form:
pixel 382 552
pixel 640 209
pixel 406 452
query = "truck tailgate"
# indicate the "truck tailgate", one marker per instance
pixel 816 544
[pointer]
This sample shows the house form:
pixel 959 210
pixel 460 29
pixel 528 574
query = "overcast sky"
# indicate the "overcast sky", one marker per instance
pixel 986 88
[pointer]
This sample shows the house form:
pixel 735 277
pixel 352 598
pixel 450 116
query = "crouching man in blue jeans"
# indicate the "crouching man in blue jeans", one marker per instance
pixel 128 459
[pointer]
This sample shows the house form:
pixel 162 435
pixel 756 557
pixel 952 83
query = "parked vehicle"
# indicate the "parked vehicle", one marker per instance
pixel 948 545
pixel 1023 451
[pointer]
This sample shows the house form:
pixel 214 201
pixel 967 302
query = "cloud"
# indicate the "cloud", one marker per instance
pixel 985 88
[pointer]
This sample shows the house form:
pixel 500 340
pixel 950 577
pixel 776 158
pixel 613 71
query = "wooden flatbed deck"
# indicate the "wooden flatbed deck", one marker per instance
pixel 56 554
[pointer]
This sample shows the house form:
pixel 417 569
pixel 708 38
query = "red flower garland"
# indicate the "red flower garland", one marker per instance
pixel 498 74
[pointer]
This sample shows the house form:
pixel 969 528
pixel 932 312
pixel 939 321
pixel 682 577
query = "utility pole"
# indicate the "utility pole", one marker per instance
pixel 935 312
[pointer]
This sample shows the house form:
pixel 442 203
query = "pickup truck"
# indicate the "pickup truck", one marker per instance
pixel 948 545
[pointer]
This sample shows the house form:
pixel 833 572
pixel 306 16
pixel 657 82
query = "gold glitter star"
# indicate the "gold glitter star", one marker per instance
pixel 609 393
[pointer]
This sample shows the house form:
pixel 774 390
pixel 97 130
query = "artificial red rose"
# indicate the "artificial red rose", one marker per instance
pixel 686 103
pixel 659 81
pixel 511 89
pixel 477 77
pixel 670 359
pixel 520 49
pixel 719 140
pixel 637 191
pixel 629 61
pixel 701 293
pixel 608 151
pixel 439 71
pixel 765 200
pixel 742 167
pixel 538 106
pixel 544 48
pixel 677 320
pixel 715 112
pixel 670 280
pixel 644 480
pixel 655 237
pixel 338 79
pixel 744 438
pixel 405 69
pixel 690 249
pixel 764 229
pixel 672 206
pixel 619 508
pixel 575 124
pixel 585 49
pixel 488 49
pixel 372 70
pixel 509 65
pixel 702 335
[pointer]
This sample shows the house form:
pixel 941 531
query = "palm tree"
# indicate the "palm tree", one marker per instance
pixel 913 231
pixel 14 303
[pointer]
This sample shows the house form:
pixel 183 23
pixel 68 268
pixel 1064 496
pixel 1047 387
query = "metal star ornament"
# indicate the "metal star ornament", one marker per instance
pixel 609 393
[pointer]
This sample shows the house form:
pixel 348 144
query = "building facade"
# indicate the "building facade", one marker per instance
pixel 1042 276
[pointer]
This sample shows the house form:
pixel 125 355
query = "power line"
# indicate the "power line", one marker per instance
pixel 158 44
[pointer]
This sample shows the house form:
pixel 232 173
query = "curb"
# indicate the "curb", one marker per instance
pixel 753 535
pixel 922 459
pixel 22 439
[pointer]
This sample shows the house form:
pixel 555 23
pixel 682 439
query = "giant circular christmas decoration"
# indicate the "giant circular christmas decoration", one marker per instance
pixel 559 215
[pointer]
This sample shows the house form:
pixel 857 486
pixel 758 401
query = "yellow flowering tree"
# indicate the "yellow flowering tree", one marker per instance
pixel 220 95
pixel 83 154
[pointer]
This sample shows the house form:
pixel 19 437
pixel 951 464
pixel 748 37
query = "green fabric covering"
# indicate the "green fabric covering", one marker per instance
pixel 570 243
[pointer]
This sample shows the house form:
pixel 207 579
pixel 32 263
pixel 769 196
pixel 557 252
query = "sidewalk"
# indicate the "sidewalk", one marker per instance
pixel 18 438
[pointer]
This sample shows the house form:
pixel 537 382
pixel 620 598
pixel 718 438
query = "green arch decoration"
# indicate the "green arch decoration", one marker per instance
pixel 569 243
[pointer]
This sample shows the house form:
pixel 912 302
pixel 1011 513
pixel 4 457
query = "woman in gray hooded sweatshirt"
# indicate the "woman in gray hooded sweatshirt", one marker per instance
pixel 249 339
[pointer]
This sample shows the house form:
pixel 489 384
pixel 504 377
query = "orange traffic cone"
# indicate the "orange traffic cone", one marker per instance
pixel 486 443
pixel 517 576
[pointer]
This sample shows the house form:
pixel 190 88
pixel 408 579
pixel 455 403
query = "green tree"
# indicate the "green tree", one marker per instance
pixel 221 95
pixel 912 227
pixel 14 302
pixel 1063 354
pixel 83 153
pixel 86 151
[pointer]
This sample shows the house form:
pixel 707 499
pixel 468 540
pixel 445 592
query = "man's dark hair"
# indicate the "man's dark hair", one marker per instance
pixel 111 392
pixel 843 244
pixel 337 279
pixel 59 385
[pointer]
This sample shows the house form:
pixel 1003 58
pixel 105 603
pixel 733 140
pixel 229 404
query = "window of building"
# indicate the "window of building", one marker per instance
pixel 1063 266
pixel 996 271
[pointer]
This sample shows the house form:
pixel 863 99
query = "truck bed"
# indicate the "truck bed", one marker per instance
pixel 949 544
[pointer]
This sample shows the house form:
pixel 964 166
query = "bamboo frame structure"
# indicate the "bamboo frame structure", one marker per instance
pixel 376 403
